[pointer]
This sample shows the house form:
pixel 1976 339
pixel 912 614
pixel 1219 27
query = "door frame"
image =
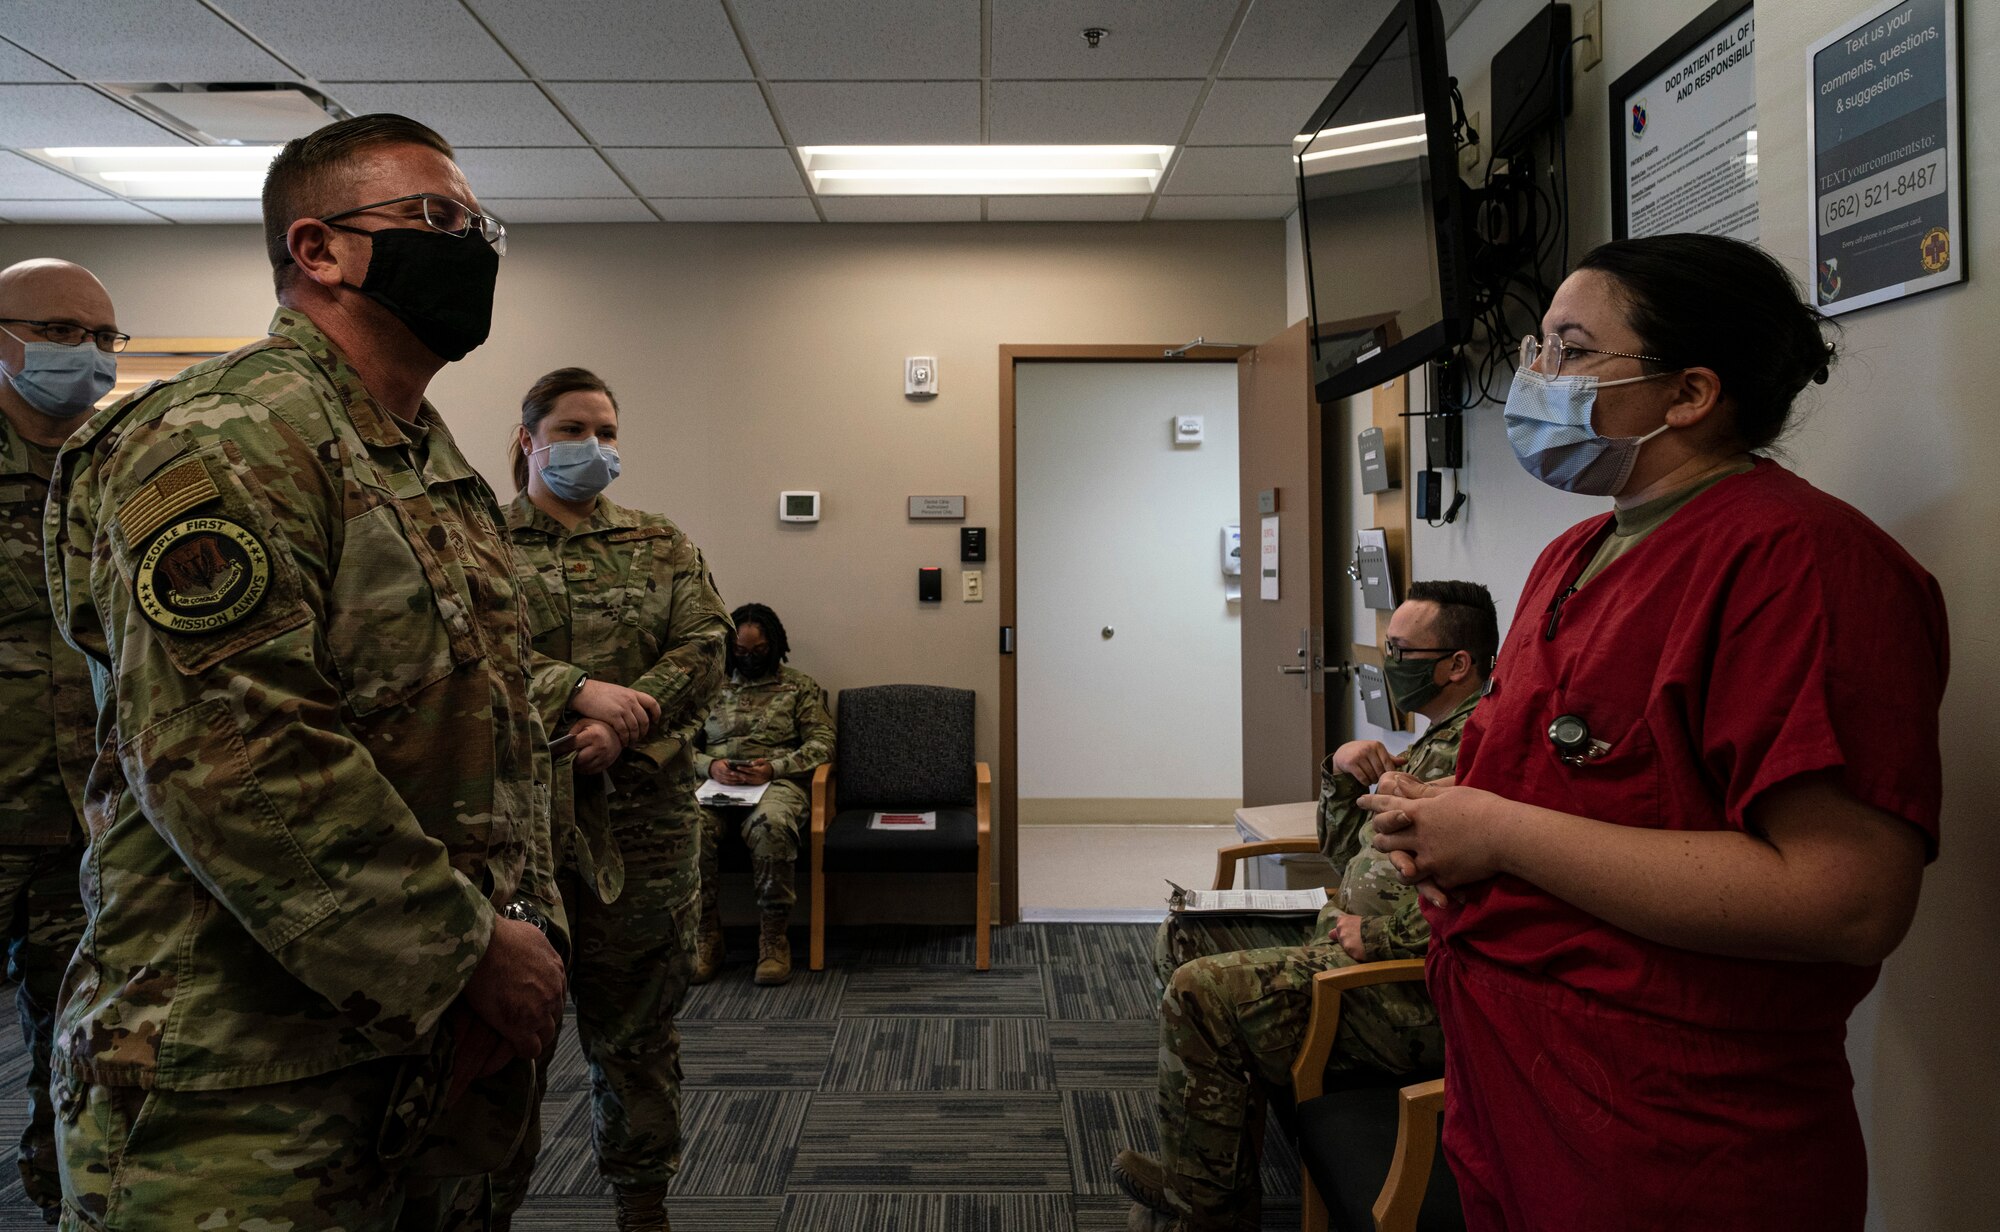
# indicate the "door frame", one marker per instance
pixel 1009 793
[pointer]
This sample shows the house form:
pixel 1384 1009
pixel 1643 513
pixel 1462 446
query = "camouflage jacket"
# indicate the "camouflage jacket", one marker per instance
pixel 319 769
pixel 1392 917
pixel 626 597
pixel 44 687
pixel 782 717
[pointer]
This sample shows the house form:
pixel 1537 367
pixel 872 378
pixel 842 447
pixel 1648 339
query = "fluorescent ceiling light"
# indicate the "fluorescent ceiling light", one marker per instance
pixel 173 172
pixel 984 170
pixel 1353 146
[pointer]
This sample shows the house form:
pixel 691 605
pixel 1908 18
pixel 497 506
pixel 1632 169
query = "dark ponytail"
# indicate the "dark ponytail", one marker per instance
pixel 541 399
pixel 1702 301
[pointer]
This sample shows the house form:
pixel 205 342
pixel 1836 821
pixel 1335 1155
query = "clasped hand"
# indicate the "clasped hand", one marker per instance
pixel 1438 837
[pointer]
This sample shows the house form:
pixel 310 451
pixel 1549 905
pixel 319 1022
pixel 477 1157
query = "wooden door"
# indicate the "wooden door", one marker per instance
pixel 1284 640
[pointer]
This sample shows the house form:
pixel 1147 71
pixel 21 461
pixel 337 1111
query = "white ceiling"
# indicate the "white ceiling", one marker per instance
pixel 690 110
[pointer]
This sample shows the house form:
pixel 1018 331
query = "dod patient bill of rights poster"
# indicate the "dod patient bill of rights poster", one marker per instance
pixel 1882 129
pixel 1687 141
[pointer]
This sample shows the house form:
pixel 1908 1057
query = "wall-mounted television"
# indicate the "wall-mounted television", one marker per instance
pixel 1382 211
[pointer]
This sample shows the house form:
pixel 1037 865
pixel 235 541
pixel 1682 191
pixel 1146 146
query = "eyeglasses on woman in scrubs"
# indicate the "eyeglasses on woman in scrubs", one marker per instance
pixel 1537 350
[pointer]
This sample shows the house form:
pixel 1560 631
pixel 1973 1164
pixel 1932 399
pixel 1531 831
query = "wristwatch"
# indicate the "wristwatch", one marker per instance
pixel 520 910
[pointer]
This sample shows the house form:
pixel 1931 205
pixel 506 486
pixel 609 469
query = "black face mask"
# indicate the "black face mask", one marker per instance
pixel 751 666
pixel 439 286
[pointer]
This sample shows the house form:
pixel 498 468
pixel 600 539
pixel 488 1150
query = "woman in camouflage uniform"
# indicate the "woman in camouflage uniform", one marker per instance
pixel 625 596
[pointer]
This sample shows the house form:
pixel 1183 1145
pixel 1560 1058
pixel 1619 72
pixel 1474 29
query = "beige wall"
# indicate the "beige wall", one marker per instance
pixel 751 359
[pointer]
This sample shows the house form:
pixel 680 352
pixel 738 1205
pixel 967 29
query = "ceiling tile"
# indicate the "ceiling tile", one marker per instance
pixel 141 40
pixel 1067 209
pixel 1233 170
pixel 202 211
pixel 1091 112
pixel 475 113
pixel 901 209
pixel 585 209
pixel 365 40
pixel 710 173
pixel 1256 112
pixel 38 116
pixel 865 40
pixel 75 211
pixel 623 40
pixel 18 65
pixel 735 209
pixel 1263 206
pixel 1303 39
pixel 23 177
pixel 730 113
pixel 880 112
pixel 1143 38
pixel 539 173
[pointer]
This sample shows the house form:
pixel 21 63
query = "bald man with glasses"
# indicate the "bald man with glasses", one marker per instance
pixel 58 339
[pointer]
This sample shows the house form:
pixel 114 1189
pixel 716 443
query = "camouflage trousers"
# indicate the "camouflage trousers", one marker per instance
pixel 43 910
pixel 292 1155
pixel 1230 1026
pixel 630 966
pixel 770 831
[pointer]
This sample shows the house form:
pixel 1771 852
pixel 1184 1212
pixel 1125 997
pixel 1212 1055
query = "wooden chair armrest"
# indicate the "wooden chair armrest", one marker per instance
pixel 1309 1068
pixel 1226 857
pixel 983 808
pixel 822 798
pixel 1418 1107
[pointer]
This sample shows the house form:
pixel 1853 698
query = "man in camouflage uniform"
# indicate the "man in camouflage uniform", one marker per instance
pixel 64 314
pixel 626 596
pixel 306 995
pixel 768 726
pixel 1231 1022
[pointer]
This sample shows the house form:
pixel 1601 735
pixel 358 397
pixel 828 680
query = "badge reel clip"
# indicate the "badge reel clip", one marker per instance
pixel 1571 736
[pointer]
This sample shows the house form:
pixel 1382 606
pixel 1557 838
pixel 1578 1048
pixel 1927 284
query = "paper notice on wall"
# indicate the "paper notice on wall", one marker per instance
pixel 1691 140
pixel 1267 568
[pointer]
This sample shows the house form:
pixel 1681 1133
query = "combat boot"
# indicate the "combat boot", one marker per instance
pixel 1142 1179
pixel 708 937
pixel 774 900
pixel 642 1208
pixel 774 946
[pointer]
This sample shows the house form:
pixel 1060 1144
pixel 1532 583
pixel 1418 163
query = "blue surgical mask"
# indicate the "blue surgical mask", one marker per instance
pixel 1548 424
pixel 576 471
pixel 62 382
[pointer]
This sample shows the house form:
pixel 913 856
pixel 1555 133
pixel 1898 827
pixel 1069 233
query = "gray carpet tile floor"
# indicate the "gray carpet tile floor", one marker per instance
pixel 897 1090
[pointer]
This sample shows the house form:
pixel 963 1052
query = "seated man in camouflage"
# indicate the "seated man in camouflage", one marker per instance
pixel 767 725
pixel 1231 1022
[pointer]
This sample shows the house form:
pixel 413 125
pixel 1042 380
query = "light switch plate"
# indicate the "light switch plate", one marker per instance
pixel 972 583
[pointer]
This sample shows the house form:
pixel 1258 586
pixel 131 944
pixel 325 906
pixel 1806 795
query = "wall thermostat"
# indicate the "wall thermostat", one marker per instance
pixel 920 379
pixel 1187 429
pixel 798 506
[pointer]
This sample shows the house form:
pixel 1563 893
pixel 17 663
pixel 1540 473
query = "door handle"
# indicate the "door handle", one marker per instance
pixel 1286 669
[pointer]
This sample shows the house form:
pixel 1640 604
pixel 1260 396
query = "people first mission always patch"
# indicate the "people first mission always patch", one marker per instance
pixel 201 575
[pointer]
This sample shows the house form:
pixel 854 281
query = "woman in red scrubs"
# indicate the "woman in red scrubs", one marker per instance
pixel 1691 819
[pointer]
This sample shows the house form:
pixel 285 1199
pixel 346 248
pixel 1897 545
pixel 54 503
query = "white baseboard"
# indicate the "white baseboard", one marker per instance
pixel 1093 915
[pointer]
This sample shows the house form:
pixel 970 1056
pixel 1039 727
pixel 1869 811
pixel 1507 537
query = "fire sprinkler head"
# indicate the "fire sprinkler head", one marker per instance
pixel 1094 35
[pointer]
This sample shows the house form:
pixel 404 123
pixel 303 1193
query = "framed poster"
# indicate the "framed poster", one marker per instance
pixel 1684 132
pixel 1883 142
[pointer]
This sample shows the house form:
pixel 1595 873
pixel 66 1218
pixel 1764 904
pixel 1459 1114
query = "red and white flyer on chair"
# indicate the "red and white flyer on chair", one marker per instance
pixel 903 821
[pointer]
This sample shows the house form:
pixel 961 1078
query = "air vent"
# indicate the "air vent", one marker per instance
pixel 238 114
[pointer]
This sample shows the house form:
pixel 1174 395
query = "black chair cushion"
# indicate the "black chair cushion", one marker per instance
pixel 905 746
pixel 1347 1140
pixel 951 848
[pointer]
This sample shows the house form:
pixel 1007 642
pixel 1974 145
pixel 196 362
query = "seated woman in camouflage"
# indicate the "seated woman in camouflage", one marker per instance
pixel 1239 992
pixel 768 725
